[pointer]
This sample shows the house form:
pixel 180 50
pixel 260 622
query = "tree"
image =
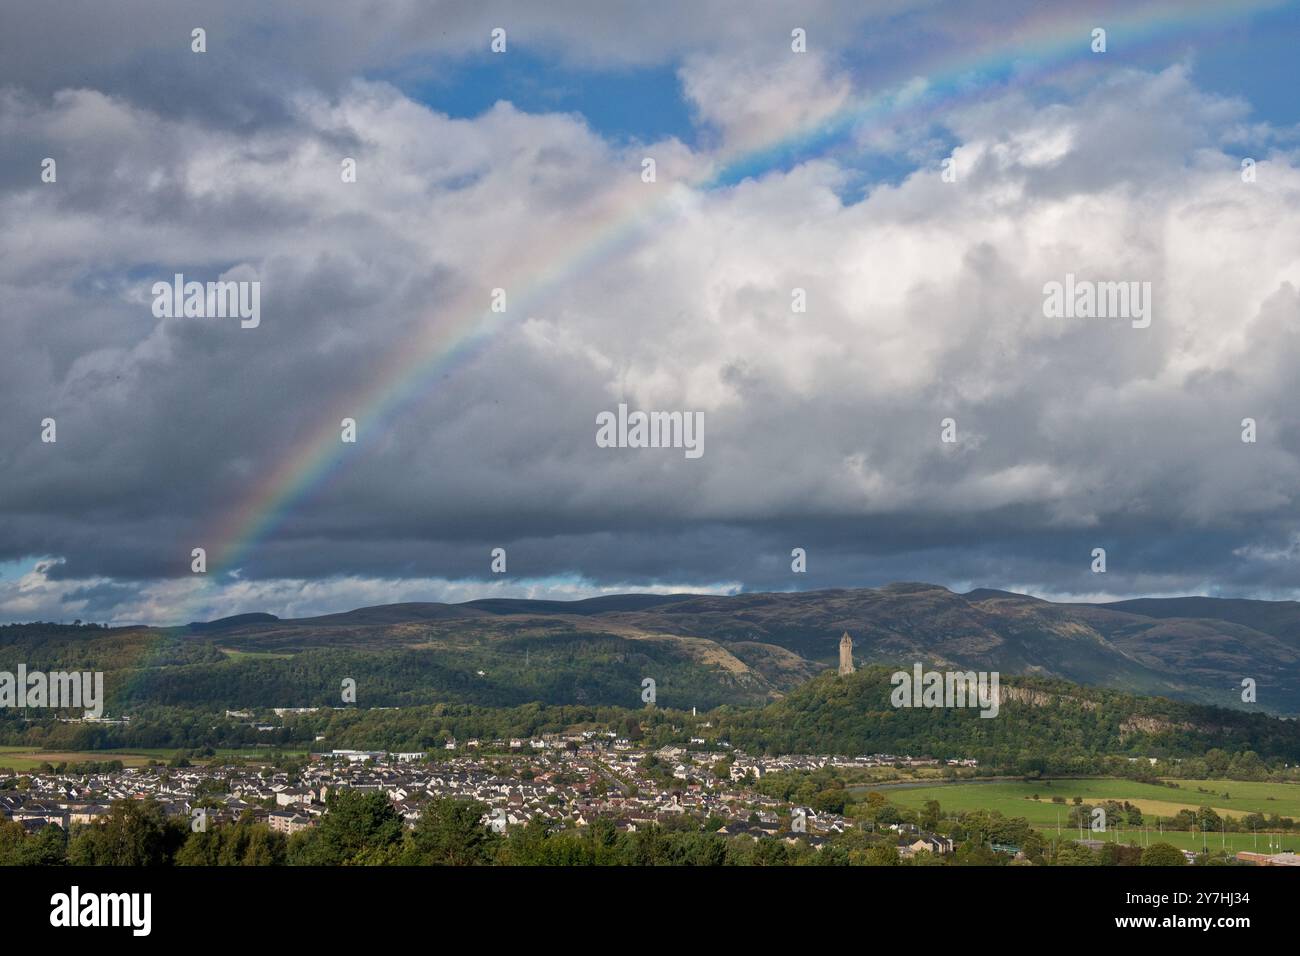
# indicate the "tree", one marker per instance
pixel 265 847
pixel 357 828
pixel 526 845
pixel 1033 846
pixel 830 801
pixel 136 833
pixel 48 846
pixel 771 852
pixel 12 836
pixel 975 854
pixel 451 833
pixel 1074 854
pixel 884 854
pixel 1163 854
pixel 245 843
pixel 201 849
pixel 603 833
pixel 930 814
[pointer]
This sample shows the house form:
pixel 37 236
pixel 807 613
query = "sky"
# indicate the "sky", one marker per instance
pixel 776 169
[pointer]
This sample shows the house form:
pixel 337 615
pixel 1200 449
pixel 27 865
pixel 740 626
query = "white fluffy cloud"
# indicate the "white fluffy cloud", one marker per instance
pixel 924 302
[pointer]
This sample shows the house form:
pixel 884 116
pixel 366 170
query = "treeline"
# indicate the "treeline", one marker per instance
pixel 1050 741
pixel 421 728
pixel 852 715
pixel 363 829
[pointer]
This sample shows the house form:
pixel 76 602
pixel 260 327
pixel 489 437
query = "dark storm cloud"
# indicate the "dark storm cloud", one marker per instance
pixel 822 429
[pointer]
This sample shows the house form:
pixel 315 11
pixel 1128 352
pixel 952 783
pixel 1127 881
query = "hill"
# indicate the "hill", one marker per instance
pixel 1039 723
pixel 702 650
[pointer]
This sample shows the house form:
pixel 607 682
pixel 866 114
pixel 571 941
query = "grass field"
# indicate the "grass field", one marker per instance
pixel 20 758
pixel 234 654
pixel 1233 842
pixel 29 758
pixel 1015 799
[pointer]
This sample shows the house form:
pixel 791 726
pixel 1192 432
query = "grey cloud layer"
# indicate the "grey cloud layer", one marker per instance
pixel 822 428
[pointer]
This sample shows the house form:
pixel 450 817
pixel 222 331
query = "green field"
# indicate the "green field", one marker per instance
pixel 235 654
pixel 30 758
pixel 1233 842
pixel 1016 799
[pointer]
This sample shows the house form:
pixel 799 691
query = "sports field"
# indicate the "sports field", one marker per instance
pixel 1017 799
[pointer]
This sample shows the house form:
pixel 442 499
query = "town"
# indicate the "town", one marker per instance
pixel 564 779
pixel 582 781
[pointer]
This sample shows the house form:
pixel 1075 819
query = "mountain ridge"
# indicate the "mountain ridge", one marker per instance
pixel 701 649
pixel 1148 645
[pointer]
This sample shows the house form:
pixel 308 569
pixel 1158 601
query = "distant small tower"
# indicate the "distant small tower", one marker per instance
pixel 846 654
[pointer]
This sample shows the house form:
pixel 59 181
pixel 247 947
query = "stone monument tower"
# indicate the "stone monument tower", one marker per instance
pixel 846 654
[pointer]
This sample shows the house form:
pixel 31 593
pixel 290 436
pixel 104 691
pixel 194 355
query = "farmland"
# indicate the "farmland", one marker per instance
pixel 1034 801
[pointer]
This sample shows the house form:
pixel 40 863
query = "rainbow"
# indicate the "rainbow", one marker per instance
pixel 1044 43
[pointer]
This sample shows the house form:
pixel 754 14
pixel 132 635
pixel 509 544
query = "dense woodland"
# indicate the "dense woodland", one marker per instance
pixel 1070 726
pixel 150 666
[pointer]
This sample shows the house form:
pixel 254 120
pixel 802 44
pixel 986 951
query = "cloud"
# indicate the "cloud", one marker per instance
pixel 754 99
pixel 823 427
pixel 35 595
